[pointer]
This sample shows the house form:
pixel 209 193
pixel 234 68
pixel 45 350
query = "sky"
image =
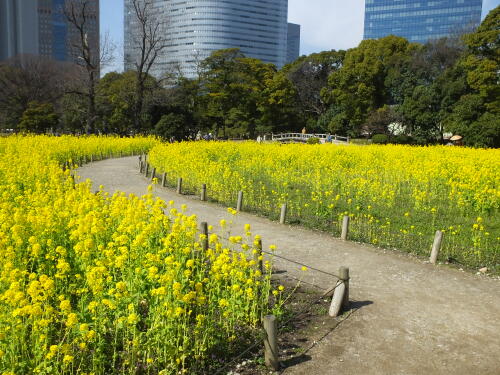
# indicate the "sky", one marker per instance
pixel 325 24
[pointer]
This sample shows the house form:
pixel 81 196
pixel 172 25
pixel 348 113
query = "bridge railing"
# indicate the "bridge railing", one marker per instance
pixel 301 136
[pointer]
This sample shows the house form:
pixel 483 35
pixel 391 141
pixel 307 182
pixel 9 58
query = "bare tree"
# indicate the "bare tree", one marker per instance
pixel 309 74
pixel 149 41
pixel 81 16
pixel 28 78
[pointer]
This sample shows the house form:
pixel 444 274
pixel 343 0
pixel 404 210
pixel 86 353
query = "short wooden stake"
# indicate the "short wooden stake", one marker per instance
pixel 337 299
pixel 164 179
pixel 257 256
pixel 239 204
pixel 344 277
pixel 436 246
pixel 204 232
pixel 203 195
pixel 141 167
pixel 147 170
pixel 259 265
pixel 153 174
pixel 283 213
pixel 140 162
pixel 179 185
pixel 345 228
pixel 91 158
pixel 271 342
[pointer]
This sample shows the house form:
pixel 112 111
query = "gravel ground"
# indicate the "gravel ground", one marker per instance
pixel 411 318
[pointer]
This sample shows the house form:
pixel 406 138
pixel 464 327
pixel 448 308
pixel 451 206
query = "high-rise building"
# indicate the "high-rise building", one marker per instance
pixel 39 27
pixel 18 28
pixel 293 43
pixel 420 20
pixel 196 28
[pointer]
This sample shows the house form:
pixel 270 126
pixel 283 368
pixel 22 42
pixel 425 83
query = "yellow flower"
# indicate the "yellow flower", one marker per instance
pixel 223 303
pixel 71 320
pixel 65 306
pixel 133 319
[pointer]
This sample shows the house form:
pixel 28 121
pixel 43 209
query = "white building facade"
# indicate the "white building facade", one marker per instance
pixel 195 28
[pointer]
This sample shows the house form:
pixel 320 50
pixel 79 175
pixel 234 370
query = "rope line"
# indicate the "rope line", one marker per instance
pixel 294 316
pixel 242 354
pixel 294 261
pixel 302 264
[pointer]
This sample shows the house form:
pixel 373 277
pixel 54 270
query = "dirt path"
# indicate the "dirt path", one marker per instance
pixel 413 318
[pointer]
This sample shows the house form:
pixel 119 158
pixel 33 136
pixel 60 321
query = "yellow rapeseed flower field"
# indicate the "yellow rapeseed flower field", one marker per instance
pixel 99 284
pixel 396 196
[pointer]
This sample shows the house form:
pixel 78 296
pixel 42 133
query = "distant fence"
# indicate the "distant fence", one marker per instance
pixel 300 137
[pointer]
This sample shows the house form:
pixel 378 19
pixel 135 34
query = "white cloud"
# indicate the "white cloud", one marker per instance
pixel 336 24
pixel 328 24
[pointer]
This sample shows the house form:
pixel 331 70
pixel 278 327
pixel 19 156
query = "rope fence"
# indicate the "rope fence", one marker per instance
pixel 345 225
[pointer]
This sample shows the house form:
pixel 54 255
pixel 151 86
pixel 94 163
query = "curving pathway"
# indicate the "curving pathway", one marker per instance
pixel 415 318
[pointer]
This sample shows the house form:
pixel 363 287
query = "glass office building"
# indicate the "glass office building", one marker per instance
pixel 419 20
pixel 18 28
pixel 39 27
pixel 293 43
pixel 196 28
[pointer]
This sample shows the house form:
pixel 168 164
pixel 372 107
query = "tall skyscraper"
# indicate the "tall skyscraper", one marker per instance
pixel 419 20
pixel 194 29
pixel 293 43
pixel 39 27
pixel 18 28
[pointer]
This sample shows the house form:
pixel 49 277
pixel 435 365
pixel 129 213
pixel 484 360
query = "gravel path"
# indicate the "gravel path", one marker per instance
pixel 413 318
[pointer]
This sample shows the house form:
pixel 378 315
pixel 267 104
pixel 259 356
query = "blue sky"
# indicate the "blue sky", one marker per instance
pixel 326 24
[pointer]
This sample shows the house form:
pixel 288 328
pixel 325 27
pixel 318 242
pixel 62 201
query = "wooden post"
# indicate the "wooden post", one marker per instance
pixel 147 170
pixel 344 277
pixel 179 185
pixel 203 195
pixel 345 228
pixel 283 213
pixel 271 342
pixel 436 246
pixel 337 299
pixel 164 179
pixel 239 204
pixel 204 231
pixel 140 162
pixel 91 158
pixel 259 265
pixel 257 257
pixel 141 167
pixel 153 174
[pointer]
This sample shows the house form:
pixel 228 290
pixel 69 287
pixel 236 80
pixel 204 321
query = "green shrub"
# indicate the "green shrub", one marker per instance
pixel 402 139
pixel 313 141
pixel 380 139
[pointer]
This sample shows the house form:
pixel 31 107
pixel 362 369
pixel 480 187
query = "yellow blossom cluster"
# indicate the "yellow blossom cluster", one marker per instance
pixel 98 284
pixel 396 196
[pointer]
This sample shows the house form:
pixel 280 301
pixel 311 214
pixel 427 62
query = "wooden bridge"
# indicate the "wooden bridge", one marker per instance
pixel 299 137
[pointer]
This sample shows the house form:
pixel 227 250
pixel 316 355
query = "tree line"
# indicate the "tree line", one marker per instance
pixel 406 92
